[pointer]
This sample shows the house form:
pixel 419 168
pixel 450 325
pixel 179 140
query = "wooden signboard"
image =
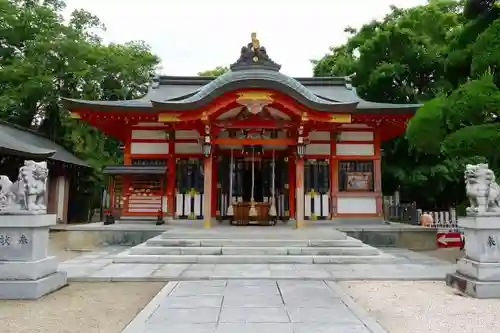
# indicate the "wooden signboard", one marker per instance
pixel 358 181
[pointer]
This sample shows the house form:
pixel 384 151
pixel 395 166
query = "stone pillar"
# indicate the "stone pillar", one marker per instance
pixel 299 191
pixel 207 192
pixel 478 273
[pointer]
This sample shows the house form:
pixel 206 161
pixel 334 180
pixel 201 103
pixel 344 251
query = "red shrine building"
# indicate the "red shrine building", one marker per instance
pixel 250 145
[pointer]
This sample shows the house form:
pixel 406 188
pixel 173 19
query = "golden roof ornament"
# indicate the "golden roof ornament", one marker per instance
pixel 254 55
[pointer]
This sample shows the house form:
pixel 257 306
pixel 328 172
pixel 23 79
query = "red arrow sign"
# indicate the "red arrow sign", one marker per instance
pixel 449 239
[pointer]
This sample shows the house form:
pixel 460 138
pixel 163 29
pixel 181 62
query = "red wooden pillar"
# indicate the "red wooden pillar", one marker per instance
pixel 291 185
pixel 215 181
pixel 299 185
pixel 207 191
pixel 377 173
pixel 334 174
pixel 170 192
pixel 171 175
pixel 127 160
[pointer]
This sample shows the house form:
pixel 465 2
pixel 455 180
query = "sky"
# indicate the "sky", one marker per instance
pixel 195 35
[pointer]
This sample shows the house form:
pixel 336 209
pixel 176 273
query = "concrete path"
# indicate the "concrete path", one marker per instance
pixel 408 265
pixel 252 306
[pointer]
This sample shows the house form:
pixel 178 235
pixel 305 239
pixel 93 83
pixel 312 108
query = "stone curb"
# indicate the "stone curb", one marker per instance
pixel 205 278
pixel 137 323
pixel 358 311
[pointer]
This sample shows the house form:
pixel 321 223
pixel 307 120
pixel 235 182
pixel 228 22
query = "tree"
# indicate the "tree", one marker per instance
pixel 43 58
pixel 463 124
pixel 401 59
pixel 215 72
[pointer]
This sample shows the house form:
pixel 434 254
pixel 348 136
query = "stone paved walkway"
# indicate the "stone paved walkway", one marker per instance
pixel 252 306
pixel 408 265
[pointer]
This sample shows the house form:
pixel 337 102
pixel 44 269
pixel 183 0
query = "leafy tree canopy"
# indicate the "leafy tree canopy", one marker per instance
pixel 43 58
pixel 217 71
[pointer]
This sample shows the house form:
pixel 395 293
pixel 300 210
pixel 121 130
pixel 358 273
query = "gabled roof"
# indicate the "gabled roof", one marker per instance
pixel 253 69
pixel 19 141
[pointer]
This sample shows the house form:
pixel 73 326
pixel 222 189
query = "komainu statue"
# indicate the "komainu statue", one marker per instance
pixel 27 193
pixel 482 190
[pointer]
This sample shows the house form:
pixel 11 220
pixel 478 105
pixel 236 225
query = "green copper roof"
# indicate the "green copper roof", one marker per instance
pixel 254 78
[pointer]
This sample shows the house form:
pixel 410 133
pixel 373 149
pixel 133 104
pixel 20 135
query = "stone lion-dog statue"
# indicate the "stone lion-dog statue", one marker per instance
pixel 27 193
pixel 481 189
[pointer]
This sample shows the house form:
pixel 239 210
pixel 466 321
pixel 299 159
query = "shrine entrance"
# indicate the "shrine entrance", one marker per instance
pixel 253 185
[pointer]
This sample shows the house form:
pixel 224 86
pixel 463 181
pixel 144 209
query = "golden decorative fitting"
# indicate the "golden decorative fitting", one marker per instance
pixel 287 213
pixel 305 116
pixel 204 116
pixel 314 217
pixel 340 118
pixel 255 41
pixel 254 96
pixel 168 118
pixel 191 216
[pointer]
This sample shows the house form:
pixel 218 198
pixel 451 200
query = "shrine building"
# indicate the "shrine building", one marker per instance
pixel 250 145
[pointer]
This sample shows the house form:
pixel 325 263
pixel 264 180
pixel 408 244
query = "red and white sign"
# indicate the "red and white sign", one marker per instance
pixel 449 239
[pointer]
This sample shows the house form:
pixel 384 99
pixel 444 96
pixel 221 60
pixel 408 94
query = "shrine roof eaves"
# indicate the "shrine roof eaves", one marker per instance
pixel 19 141
pixel 179 93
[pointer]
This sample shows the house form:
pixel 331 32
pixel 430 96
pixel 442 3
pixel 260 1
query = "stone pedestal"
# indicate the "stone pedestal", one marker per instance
pixel 26 272
pixel 478 273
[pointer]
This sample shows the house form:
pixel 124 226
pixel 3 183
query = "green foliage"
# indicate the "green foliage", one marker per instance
pixel 44 58
pixel 473 103
pixel 478 140
pixel 217 71
pixel 486 51
pixel 427 129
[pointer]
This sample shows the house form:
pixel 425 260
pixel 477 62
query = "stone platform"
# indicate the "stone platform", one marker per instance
pixel 84 237
pixel 25 270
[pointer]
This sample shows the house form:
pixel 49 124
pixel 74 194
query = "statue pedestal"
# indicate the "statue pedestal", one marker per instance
pixel 478 273
pixel 26 272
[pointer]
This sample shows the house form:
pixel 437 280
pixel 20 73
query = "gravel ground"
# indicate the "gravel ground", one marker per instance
pixel 79 308
pixel 424 307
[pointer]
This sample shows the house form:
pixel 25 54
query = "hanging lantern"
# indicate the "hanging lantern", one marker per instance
pixel 301 146
pixel 207 146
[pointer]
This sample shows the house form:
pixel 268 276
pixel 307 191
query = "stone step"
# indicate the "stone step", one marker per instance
pixel 160 241
pixel 292 235
pixel 233 250
pixel 250 259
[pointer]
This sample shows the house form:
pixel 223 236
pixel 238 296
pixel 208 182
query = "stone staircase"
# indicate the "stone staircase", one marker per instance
pixel 285 246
